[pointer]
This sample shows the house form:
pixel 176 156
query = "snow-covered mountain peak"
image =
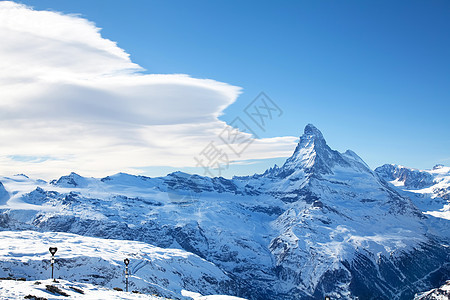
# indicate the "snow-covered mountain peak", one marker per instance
pixel 438 166
pixel 311 144
pixel 72 180
pixel 313 156
pixel 312 137
pixel 312 131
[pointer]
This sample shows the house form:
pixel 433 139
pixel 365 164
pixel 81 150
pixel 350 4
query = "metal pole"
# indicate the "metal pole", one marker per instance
pixel 126 278
pixel 126 261
pixel 53 261
pixel 52 252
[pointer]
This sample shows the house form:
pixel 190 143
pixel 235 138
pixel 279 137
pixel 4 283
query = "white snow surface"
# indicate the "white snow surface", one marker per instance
pixel 87 259
pixel 11 289
pixel 197 296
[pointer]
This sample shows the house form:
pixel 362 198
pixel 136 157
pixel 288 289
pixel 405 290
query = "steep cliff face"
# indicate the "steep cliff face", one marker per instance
pixel 322 224
pixel 4 195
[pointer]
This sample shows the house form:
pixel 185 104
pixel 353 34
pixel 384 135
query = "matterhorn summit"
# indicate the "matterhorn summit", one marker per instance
pixel 313 157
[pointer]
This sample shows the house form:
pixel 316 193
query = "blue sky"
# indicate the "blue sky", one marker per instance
pixel 373 76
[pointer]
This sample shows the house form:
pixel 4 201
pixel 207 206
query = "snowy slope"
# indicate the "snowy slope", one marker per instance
pixel 153 270
pixel 321 224
pixel 197 296
pixel 11 289
pixel 128 207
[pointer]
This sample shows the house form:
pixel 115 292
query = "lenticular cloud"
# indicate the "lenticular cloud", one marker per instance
pixel 72 100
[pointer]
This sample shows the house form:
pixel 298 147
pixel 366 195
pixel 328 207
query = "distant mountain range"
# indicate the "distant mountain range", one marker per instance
pixel 429 189
pixel 321 224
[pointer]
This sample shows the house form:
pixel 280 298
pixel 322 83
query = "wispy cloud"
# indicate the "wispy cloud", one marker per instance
pixel 77 99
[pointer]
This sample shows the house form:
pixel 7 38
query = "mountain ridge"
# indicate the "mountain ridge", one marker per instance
pixel 321 224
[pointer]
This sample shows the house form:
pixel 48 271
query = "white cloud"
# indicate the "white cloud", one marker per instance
pixel 71 100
